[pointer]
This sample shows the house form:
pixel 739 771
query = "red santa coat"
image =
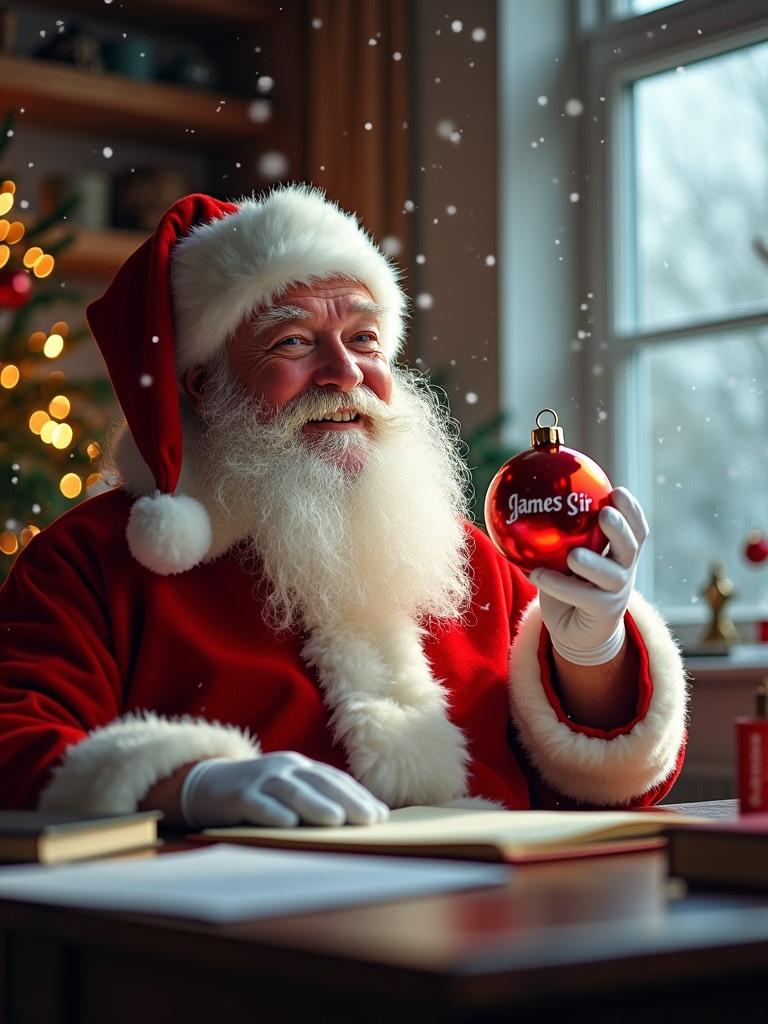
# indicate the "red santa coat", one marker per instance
pixel 114 676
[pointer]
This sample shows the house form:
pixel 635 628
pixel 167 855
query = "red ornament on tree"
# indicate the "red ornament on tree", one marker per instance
pixel 756 548
pixel 545 501
pixel 15 289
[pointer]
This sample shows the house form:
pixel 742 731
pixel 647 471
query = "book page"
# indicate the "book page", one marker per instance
pixel 445 826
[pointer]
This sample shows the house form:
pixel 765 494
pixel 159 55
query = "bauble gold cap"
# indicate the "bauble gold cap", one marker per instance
pixel 546 436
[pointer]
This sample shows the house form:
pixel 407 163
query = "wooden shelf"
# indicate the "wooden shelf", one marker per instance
pixel 206 17
pixel 98 254
pixel 61 96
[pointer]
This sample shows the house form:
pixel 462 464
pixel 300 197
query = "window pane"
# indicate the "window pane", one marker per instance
pixel 701 138
pixel 708 439
pixel 643 6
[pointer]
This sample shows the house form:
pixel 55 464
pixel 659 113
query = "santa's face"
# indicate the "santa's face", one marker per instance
pixel 322 335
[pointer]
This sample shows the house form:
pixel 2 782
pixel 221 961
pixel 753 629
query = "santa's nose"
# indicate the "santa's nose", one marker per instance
pixel 337 367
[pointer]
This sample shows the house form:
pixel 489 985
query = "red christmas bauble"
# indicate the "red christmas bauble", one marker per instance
pixel 756 548
pixel 545 501
pixel 15 289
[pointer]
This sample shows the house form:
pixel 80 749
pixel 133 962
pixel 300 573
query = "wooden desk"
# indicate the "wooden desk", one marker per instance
pixel 606 938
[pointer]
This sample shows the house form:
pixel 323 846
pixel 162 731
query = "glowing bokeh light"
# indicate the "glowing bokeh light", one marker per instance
pixel 9 376
pixel 70 485
pixel 59 407
pixel 38 420
pixel 53 346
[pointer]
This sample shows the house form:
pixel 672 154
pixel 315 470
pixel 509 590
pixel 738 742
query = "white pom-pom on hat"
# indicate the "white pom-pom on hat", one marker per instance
pixel 168 533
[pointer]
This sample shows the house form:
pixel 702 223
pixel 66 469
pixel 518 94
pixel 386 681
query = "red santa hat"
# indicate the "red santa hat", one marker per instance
pixel 176 301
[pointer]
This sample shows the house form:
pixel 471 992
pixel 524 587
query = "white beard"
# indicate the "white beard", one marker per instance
pixel 351 526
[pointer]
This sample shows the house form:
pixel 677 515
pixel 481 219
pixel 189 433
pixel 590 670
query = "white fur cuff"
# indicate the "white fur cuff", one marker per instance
pixel 114 766
pixel 590 769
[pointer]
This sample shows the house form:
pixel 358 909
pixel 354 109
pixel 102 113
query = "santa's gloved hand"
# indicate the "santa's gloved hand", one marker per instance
pixel 585 614
pixel 278 790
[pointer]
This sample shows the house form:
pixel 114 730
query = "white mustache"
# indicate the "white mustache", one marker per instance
pixel 318 404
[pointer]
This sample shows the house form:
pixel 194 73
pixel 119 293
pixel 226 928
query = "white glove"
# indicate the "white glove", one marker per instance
pixel 278 790
pixel 585 617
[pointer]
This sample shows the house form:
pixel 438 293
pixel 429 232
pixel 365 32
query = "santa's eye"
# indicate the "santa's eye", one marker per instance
pixel 366 339
pixel 294 341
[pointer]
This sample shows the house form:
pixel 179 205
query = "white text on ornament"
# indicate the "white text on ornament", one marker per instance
pixel 576 503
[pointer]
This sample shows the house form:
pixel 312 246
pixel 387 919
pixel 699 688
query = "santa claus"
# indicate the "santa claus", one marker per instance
pixel 281 615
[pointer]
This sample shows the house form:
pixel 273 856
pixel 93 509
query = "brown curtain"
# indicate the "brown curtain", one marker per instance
pixel 352 83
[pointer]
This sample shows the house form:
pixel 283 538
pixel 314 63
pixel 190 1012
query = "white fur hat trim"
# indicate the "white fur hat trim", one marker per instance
pixel 223 270
pixel 168 533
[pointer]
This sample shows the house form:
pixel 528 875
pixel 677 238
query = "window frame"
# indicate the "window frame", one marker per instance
pixel 616 52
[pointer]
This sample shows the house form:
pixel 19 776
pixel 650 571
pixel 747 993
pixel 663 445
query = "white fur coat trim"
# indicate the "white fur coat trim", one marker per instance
pixel 114 766
pixel 590 769
pixel 389 712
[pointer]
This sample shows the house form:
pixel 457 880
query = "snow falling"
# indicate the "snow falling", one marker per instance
pixel 272 165
pixel 259 111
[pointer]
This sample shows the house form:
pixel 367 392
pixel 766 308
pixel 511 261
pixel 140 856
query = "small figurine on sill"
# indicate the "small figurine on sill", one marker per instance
pixel 721 632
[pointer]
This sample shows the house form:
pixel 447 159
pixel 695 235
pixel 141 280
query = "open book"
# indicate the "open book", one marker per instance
pixel 474 834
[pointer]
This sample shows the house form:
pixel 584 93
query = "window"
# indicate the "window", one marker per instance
pixel 677 161
pixel 628 8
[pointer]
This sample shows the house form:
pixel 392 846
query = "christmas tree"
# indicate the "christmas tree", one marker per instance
pixel 51 428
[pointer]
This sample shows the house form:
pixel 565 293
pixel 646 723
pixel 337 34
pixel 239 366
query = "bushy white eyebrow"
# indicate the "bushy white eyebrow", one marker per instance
pixel 276 315
pixel 367 306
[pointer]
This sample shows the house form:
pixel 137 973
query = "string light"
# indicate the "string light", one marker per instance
pixel 40 263
pixel 38 420
pixel 44 265
pixel 70 485
pixel 54 345
pixel 61 437
pixel 9 376
pixel 59 407
pixel 46 433
pixel 32 255
pixel 49 422
pixel 9 542
pixel 28 533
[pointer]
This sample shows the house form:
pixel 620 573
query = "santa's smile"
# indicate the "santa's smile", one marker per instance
pixel 343 419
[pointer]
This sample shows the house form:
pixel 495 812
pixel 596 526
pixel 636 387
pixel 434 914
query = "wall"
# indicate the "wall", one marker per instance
pixel 453 89
pixel 539 266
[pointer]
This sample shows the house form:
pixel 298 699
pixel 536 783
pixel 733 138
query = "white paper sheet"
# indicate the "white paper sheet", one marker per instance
pixel 225 882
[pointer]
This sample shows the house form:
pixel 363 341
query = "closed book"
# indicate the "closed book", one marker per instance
pixel 473 834
pixel 51 837
pixel 721 854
